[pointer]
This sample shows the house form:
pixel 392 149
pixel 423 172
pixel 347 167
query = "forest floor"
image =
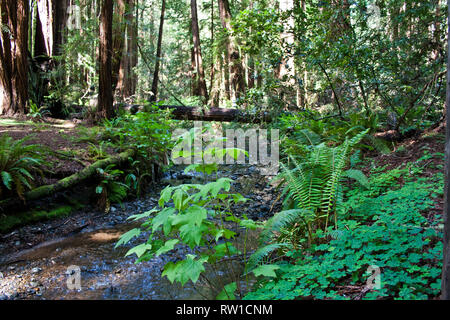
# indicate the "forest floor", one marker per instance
pixel 34 258
pixel 66 137
pixel 71 147
pixel 411 150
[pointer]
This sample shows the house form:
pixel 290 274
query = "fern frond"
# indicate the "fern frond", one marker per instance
pixel 282 220
pixel 306 136
pixel 257 257
pixel 379 144
pixel 357 175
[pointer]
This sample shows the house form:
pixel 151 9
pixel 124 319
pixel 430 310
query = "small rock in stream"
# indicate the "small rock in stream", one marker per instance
pixel 36 270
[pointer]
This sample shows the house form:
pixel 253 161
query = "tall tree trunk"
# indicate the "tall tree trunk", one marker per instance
pixel 250 63
pixel 445 283
pixel 251 72
pixel 52 19
pixel 105 97
pixel 118 44
pixel 127 77
pixel 200 72
pixel 14 56
pixel 212 90
pixel 225 65
pixel 237 73
pixel 158 53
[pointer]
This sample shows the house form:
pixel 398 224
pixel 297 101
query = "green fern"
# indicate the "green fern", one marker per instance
pixel 312 188
pixel 17 162
pixel 282 220
pixel 109 189
pixel 259 255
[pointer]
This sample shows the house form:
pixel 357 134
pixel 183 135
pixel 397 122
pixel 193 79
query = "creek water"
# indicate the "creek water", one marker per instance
pixel 42 272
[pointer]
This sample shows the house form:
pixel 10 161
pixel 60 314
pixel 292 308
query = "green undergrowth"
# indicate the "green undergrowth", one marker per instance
pixel 10 222
pixel 387 227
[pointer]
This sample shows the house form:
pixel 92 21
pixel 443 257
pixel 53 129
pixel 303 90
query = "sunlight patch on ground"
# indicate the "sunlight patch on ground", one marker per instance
pixel 12 122
pixel 63 124
pixel 105 237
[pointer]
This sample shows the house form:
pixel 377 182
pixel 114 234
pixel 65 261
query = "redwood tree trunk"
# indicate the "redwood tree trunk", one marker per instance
pixel 127 77
pixel 52 20
pixel 158 53
pixel 105 96
pixel 119 28
pixel 14 56
pixel 237 73
pixel 445 284
pixel 197 54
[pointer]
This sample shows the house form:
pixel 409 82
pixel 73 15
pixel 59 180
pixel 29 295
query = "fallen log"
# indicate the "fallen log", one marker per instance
pixel 63 184
pixel 217 114
pixel 212 114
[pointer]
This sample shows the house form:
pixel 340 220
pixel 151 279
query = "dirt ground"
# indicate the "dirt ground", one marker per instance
pixel 63 137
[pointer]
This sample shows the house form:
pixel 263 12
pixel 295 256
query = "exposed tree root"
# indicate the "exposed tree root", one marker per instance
pixel 68 182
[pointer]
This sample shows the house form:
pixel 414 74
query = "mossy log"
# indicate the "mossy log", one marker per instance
pixel 212 114
pixel 216 114
pixel 68 182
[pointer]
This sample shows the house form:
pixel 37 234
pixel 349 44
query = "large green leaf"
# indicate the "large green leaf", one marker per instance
pixel 267 270
pixel 162 219
pixel 168 246
pixel 193 215
pixel 178 198
pixel 183 271
pixel 126 237
pixel 139 250
pixel 228 292
pixel 191 234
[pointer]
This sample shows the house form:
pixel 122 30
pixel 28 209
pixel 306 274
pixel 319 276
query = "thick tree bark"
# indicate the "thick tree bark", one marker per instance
pixel 127 77
pixel 197 54
pixel 445 283
pixel 105 96
pixel 14 56
pixel 119 28
pixel 158 53
pixel 237 73
pixel 52 19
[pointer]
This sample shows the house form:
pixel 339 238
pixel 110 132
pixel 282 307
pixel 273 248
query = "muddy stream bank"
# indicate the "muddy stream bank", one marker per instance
pixel 30 270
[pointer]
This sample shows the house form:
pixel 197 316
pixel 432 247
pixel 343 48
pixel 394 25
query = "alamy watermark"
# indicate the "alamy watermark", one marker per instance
pixel 374 280
pixel 254 147
pixel 73 278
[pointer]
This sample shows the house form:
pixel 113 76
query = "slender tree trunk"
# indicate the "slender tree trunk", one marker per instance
pixel 445 283
pixel 251 72
pixel 250 63
pixel 213 70
pixel 118 44
pixel 158 53
pixel 226 74
pixel 200 76
pixel 127 77
pixel 237 74
pixel 14 56
pixel 105 97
